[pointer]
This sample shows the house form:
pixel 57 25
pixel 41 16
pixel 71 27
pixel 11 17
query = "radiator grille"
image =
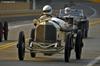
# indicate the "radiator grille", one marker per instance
pixel 46 33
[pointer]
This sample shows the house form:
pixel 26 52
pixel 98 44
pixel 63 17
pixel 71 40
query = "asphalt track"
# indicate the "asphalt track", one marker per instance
pixel 90 54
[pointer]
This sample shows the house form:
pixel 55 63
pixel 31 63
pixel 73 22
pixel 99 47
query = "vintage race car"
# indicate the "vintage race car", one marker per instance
pixel 76 16
pixel 47 37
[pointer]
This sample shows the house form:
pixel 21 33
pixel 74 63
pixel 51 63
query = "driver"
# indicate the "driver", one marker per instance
pixel 67 15
pixel 46 15
pixel 47 12
pixel 67 11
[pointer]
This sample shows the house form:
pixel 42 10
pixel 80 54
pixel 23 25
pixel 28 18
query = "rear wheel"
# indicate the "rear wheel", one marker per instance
pixel 21 46
pixel 5 30
pixel 68 47
pixel 1 32
pixel 78 45
pixel 1 38
pixel 87 27
pixel 86 34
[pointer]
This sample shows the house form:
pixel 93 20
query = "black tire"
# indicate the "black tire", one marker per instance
pixel 68 47
pixel 67 55
pixel 21 46
pixel 78 45
pixel 1 38
pixel 5 30
pixel 32 54
pixel 87 28
pixel 86 34
pixel 32 35
pixel 1 32
pixel 83 33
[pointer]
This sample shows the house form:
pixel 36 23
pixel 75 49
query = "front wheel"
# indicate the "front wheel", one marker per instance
pixel 78 45
pixel 68 47
pixel 21 46
pixel 67 55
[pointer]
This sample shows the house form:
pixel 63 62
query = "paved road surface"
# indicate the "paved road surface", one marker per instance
pixel 91 50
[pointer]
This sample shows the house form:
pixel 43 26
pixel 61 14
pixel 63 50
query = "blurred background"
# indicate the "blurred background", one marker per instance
pixel 11 8
pixel 34 4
